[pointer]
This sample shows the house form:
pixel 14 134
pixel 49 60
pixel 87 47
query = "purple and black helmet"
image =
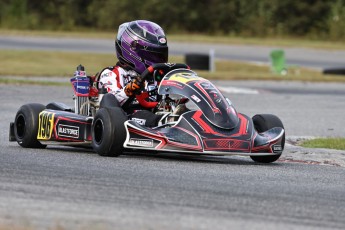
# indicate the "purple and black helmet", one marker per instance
pixel 140 44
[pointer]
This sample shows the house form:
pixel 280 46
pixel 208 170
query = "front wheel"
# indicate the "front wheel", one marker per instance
pixel 262 123
pixel 26 125
pixel 108 131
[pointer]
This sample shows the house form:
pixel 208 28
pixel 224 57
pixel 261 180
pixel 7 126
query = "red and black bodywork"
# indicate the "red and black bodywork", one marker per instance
pixel 212 127
pixel 64 126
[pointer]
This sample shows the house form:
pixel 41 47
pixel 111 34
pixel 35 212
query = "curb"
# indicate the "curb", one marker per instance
pixel 319 156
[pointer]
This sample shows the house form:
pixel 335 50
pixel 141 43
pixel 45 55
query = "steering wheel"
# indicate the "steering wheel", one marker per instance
pixel 158 71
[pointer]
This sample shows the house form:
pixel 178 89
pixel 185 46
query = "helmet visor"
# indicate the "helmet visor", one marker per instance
pixel 155 55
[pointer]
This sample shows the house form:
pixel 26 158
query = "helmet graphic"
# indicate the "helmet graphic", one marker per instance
pixel 140 44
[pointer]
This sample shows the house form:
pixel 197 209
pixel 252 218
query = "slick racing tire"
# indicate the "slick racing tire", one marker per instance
pixel 26 125
pixel 108 131
pixel 262 123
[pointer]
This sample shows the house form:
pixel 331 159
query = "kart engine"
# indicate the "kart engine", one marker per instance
pixel 81 105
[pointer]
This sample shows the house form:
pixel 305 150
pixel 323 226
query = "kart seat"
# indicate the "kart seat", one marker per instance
pixel 59 106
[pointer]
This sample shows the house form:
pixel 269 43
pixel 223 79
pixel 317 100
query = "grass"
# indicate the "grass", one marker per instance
pixel 328 143
pixel 47 63
pixel 281 42
pixel 224 39
pixel 62 64
pixel 230 70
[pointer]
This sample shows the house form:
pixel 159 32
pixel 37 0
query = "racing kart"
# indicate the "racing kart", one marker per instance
pixel 210 125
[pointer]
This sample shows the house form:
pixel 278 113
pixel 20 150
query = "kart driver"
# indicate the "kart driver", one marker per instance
pixel 138 44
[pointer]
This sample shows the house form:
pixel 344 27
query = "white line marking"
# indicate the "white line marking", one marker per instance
pixel 237 90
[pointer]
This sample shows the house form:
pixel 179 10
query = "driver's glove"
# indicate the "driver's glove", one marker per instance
pixel 133 87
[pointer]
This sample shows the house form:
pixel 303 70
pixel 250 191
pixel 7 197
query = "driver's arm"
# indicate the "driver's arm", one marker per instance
pixel 114 84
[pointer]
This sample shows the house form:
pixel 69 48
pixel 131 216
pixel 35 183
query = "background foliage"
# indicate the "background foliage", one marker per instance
pixel 317 19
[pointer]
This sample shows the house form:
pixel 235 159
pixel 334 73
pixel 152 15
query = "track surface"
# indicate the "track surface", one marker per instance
pixel 77 189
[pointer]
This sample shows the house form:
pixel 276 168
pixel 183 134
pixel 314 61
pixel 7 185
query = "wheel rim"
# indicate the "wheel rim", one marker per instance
pixel 98 131
pixel 20 126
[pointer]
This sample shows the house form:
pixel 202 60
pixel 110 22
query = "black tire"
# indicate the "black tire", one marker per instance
pixel 26 125
pixel 262 123
pixel 337 71
pixel 109 101
pixel 108 131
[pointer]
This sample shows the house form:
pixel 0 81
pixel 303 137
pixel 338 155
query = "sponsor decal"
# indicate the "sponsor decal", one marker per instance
pixel 68 131
pixel 195 98
pixel 141 142
pixel 207 85
pixel 82 87
pixel 162 40
pixel 153 91
pixel 80 73
pixel 45 125
pixel 107 74
pixel 277 148
pixel 139 121
pixel 175 84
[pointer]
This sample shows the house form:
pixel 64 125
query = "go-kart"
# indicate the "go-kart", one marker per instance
pixel 210 125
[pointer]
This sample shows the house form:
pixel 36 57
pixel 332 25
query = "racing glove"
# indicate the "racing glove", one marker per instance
pixel 133 87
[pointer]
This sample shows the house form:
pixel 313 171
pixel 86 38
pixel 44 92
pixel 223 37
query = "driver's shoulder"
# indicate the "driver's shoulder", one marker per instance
pixel 112 71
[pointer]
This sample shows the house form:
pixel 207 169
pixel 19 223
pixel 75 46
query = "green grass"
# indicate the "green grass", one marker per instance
pixel 274 42
pixel 328 143
pixel 47 63
pixel 63 64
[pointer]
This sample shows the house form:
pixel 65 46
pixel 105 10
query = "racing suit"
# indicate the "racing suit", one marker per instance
pixel 114 79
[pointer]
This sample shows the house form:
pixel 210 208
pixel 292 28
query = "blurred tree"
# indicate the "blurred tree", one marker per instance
pixel 300 17
pixel 13 13
pixel 336 20
pixel 254 17
pixel 312 18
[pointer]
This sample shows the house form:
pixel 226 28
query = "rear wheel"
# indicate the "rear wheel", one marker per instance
pixel 108 131
pixel 262 123
pixel 26 125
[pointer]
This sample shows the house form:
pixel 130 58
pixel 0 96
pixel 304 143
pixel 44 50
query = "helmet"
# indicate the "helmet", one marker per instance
pixel 140 44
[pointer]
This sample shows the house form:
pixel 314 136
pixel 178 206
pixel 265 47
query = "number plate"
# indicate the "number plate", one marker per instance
pixel 45 125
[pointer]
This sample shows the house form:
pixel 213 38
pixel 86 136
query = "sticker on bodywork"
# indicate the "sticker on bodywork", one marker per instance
pixel 184 77
pixel 68 131
pixel 277 148
pixel 45 125
pixel 140 142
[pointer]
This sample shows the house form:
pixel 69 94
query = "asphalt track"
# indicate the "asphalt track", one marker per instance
pixel 67 188
pixel 77 189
